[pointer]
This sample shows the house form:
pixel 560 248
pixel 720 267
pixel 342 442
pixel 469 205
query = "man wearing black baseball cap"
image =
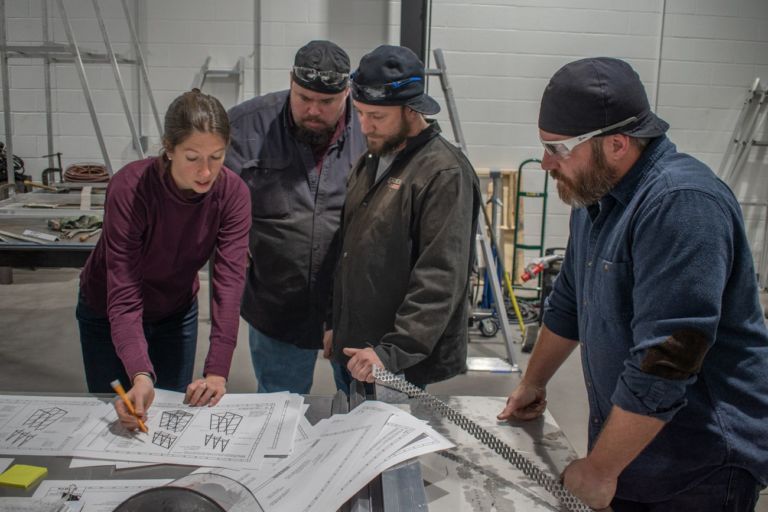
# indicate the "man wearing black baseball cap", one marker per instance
pixel 401 291
pixel 659 288
pixel 294 149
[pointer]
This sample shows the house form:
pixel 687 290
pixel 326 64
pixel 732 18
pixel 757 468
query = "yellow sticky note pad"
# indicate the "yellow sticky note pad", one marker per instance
pixel 22 476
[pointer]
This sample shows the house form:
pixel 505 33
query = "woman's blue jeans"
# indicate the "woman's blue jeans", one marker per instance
pixel 171 342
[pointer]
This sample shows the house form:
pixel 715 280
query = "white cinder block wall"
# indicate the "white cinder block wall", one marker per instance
pixel 500 54
pixel 176 37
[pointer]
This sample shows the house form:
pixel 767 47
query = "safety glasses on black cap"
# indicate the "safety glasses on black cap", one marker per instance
pixel 330 78
pixel 379 92
pixel 563 148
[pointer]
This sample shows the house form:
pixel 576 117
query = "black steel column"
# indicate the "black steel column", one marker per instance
pixel 414 26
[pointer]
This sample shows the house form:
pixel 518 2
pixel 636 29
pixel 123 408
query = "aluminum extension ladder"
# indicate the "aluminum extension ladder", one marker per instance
pixel 52 52
pixel 750 120
pixel 750 123
pixel 485 244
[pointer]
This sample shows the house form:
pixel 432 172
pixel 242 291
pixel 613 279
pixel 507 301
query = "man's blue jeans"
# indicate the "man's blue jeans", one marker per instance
pixel 281 366
pixel 171 343
pixel 727 490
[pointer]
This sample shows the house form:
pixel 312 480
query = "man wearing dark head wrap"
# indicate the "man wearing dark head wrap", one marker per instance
pixel 294 149
pixel 659 289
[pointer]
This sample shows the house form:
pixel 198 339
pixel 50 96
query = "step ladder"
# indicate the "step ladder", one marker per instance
pixel 236 75
pixel 510 364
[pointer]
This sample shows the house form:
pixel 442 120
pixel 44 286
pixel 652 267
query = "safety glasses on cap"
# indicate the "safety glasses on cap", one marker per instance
pixel 330 78
pixel 563 148
pixel 378 92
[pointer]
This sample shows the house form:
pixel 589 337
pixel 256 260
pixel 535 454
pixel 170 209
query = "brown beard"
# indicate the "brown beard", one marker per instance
pixel 590 183
pixel 391 144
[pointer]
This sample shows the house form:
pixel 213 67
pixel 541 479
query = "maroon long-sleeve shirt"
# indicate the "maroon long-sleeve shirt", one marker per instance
pixel 155 240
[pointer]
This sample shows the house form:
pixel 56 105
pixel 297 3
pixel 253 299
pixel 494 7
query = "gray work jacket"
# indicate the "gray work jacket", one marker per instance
pixel 296 213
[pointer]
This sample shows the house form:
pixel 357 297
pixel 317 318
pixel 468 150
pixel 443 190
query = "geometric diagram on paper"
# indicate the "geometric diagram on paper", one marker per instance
pixel 71 493
pixel 175 421
pixel 163 439
pixel 19 437
pixel 216 442
pixel 226 423
pixel 43 418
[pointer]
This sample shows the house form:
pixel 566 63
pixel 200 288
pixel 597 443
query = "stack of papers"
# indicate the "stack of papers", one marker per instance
pixel 262 441
pixel 341 455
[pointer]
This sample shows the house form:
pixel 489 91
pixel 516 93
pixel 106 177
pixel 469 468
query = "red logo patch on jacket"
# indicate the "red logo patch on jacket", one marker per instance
pixel 394 183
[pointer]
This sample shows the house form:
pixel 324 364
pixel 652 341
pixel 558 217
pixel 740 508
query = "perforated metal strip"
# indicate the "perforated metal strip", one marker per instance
pixel 529 469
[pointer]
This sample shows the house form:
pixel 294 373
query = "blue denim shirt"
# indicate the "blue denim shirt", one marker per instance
pixel 664 251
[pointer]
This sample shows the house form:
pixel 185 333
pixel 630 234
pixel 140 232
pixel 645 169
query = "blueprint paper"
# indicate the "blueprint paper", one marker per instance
pixel 280 433
pixel 34 425
pixel 303 429
pixel 297 482
pixel 236 434
pixel 166 395
pixel 32 505
pixel 76 463
pixel 401 438
pixel 300 481
pixel 94 495
pixel 90 463
pixel 342 454
pixel 119 464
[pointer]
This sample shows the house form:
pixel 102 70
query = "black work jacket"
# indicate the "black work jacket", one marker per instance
pixel 407 250
pixel 296 215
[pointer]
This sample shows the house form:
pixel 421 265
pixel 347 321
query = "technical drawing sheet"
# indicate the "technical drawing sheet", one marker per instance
pixel 281 431
pixel 94 495
pixel 297 483
pixel 37 425
pixel 402 437
pixel 119 464
pixel 236 433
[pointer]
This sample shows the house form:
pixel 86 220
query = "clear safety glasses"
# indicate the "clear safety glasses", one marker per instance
pixel 563 148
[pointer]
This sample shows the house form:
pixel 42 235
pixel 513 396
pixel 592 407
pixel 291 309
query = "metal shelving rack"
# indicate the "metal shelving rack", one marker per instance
pixel 54 53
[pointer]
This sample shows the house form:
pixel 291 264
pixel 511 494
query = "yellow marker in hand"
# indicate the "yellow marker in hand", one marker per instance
pixel 127 401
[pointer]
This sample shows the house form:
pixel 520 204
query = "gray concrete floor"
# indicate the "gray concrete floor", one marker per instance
pixel 40 351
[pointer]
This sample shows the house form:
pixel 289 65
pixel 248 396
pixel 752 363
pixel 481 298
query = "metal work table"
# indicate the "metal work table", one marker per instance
pixel 44 204
pixel 15 217
pixel 467 478
pixel 471 477
pixel 18 253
